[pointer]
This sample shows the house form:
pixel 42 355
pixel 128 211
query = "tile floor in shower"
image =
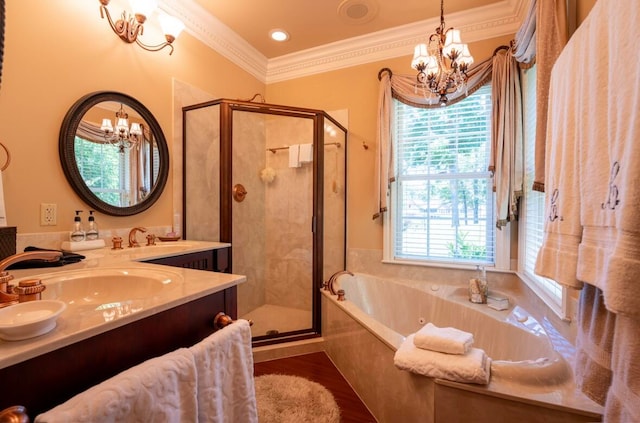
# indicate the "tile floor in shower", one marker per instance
pixel 269 317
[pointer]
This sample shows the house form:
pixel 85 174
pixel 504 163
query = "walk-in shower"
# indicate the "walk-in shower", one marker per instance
pixel 270 180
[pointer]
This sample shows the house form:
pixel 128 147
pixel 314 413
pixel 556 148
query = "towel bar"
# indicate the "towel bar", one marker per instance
pixel 222 320
pixel 274 149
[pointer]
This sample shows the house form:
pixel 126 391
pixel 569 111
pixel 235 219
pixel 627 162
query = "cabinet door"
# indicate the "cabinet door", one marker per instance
pixel 212 260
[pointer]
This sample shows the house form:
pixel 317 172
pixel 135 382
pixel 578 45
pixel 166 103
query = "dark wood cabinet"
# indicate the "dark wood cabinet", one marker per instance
pixel 213 260
pixel 45 381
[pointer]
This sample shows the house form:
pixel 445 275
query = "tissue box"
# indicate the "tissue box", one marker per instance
pixel 7 241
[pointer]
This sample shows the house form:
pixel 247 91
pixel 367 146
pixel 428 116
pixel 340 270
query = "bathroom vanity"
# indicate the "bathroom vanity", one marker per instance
pixel 99 335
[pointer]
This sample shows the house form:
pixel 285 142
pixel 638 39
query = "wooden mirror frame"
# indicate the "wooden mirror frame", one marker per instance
pixel 66 149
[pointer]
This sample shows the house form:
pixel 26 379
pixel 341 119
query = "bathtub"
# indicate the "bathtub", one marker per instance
pixel 530 359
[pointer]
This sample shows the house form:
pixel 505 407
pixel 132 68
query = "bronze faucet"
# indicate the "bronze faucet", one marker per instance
pixel 329 284
pixel 132 236
pixel 7 297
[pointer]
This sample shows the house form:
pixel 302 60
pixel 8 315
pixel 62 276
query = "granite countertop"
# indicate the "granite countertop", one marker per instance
pixel 83 320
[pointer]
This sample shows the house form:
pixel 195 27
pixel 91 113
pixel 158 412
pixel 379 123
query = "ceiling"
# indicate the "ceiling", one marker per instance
pixel 332 34
pixel 312 23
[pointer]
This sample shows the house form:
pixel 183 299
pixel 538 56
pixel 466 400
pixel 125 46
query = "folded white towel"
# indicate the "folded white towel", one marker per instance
pixel 226 389
pixel 162 389
pixel 306 153
pixel 294 155
pixel 472 367
pixel 445 340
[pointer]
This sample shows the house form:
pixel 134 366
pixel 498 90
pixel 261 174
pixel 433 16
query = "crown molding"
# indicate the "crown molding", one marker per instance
pixel 494 20
pixel 213 33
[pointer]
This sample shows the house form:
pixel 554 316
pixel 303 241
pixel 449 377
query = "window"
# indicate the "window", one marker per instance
pixel 104 170
pixel 442 200
pixel 532 222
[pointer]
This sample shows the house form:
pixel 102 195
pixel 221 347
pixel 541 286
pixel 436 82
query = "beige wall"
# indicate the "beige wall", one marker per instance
pixel 57 51
pixel 356 89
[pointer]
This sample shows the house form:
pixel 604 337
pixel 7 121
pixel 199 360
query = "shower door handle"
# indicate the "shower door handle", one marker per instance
pixel 239 193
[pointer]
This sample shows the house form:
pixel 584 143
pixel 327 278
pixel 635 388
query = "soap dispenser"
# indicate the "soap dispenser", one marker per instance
pixel 77 231
pixel 92 228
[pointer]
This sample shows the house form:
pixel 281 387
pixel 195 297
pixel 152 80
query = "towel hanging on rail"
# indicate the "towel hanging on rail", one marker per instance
pixel 306 153
pixel 294 155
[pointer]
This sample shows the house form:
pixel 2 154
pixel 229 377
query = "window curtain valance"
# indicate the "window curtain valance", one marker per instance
pixel 507 136
pixel 524 49
pixel 90 132
pixel 506 161
pixel 406 89
pixel 540 39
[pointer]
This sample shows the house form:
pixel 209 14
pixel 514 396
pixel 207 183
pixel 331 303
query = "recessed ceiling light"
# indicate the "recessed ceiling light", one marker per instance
pixel 279 35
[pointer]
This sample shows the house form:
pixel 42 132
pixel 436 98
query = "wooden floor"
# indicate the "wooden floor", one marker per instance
pixel 319 368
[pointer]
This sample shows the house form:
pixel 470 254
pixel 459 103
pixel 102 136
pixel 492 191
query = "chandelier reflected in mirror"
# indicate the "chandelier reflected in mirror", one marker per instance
pixel 442 64
pixel 122 135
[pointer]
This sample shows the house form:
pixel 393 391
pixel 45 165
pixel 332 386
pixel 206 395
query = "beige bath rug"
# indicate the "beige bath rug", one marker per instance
pixel 293 399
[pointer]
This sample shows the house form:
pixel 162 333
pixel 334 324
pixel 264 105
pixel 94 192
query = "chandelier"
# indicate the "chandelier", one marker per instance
pixel 122 136
pixel 442 64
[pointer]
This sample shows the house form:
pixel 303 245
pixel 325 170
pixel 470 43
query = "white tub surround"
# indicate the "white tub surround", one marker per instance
pixel 111 288
pixel 529 357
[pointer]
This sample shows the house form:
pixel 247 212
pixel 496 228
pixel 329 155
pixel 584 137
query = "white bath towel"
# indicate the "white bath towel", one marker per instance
pixel 162 389
pixel 224 362
pixel 607 127
pixel 623 399
pixel 306 153
pixel 445 340
pixel 472 367
pixel 294 155
pixel 609 155
pixel 558 256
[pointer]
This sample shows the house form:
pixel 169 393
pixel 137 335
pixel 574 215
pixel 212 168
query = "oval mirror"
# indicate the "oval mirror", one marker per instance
pixel 113 153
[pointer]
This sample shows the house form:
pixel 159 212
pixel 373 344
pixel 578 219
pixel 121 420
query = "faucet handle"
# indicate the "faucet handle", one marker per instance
pixel 117 243
pixel 151 239
pixel 5 278
pixel 29 290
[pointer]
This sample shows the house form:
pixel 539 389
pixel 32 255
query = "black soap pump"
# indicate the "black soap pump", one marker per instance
pixel 77 232
pixel 92 229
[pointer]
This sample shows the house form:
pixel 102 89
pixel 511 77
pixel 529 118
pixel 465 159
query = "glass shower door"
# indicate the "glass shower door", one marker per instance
pixel 272 224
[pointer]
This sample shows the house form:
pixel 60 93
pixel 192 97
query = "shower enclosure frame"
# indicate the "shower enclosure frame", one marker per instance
pixel 319 117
